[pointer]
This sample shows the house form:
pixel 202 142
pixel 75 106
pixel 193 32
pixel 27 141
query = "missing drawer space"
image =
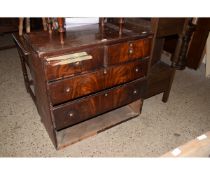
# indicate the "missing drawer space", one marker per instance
pixel 94 126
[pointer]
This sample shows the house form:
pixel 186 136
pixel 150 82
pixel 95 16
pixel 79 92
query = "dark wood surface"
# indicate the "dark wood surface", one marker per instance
pixel 69 97
pixel 71 93
pixel 197 43
pixel 82 109
pixel 61 71
pixel 46 44
pixel 95 125
pixel 170 26
pixel 161 75
pixel 128 51
pixel 160 80
pixel 77 86
pixel 8 25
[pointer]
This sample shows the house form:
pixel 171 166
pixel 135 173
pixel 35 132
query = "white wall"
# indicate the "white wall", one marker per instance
pixel 74 22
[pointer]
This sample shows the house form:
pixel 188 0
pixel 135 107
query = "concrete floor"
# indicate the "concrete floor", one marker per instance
pixel 160 128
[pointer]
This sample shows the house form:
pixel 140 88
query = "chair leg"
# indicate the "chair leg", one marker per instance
pixel 20 27
pixel 167 92
pixel 49 25
pixel 44 23
pixel 28 27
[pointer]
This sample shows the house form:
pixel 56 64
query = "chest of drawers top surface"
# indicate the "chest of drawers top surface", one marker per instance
pixel 46 44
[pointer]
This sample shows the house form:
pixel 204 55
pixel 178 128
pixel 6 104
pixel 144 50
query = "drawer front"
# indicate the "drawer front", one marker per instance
pixel 128 51
pixel 58 69
pixel 68 89
pixel 88 107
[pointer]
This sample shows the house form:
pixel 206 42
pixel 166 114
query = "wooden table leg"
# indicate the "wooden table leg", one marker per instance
pixel 167 92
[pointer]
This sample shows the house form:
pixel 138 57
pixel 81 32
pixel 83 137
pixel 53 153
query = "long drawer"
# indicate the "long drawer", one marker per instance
pixel 83 61
pixel 127 51
pixel 68 89
pixel 85 108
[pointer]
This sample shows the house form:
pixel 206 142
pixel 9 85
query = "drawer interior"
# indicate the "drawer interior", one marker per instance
pixel 96 125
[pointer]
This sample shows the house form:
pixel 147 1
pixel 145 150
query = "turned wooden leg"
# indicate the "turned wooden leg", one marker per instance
pixel 25 74
pixel 101 27
pixel 101 21
pixel 61 24
pixel 44 23
pixel 182 59
pixel 121 22
pixel 167 92
pixel 61 38
pixel 21 26
pixel 28 27
pixel 49 25
pixel 179 59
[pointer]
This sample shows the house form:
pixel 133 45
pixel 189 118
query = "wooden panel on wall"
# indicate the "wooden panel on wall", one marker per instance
pixel 198 42
pixel 8 25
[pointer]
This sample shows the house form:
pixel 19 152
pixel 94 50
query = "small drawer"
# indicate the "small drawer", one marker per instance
pixel 128 51
pixel 83 61
pixel 79 110
pixel 68 89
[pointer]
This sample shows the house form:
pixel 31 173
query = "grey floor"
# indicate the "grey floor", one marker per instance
pixel 160 128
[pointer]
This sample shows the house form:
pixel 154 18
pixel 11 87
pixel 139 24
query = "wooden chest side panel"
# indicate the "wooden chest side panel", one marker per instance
pixel 42 100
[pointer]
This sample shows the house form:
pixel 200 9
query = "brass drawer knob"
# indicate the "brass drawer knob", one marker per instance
pixel 131 44
pixel 130 51
pixel 106 95
pixel 71 114
pixel 105 71
pixel 67 89
pixel 135 92
pixel 77 63
pixel 137 70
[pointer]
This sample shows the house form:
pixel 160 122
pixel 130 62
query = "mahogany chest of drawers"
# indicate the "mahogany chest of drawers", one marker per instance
pixel 85 84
